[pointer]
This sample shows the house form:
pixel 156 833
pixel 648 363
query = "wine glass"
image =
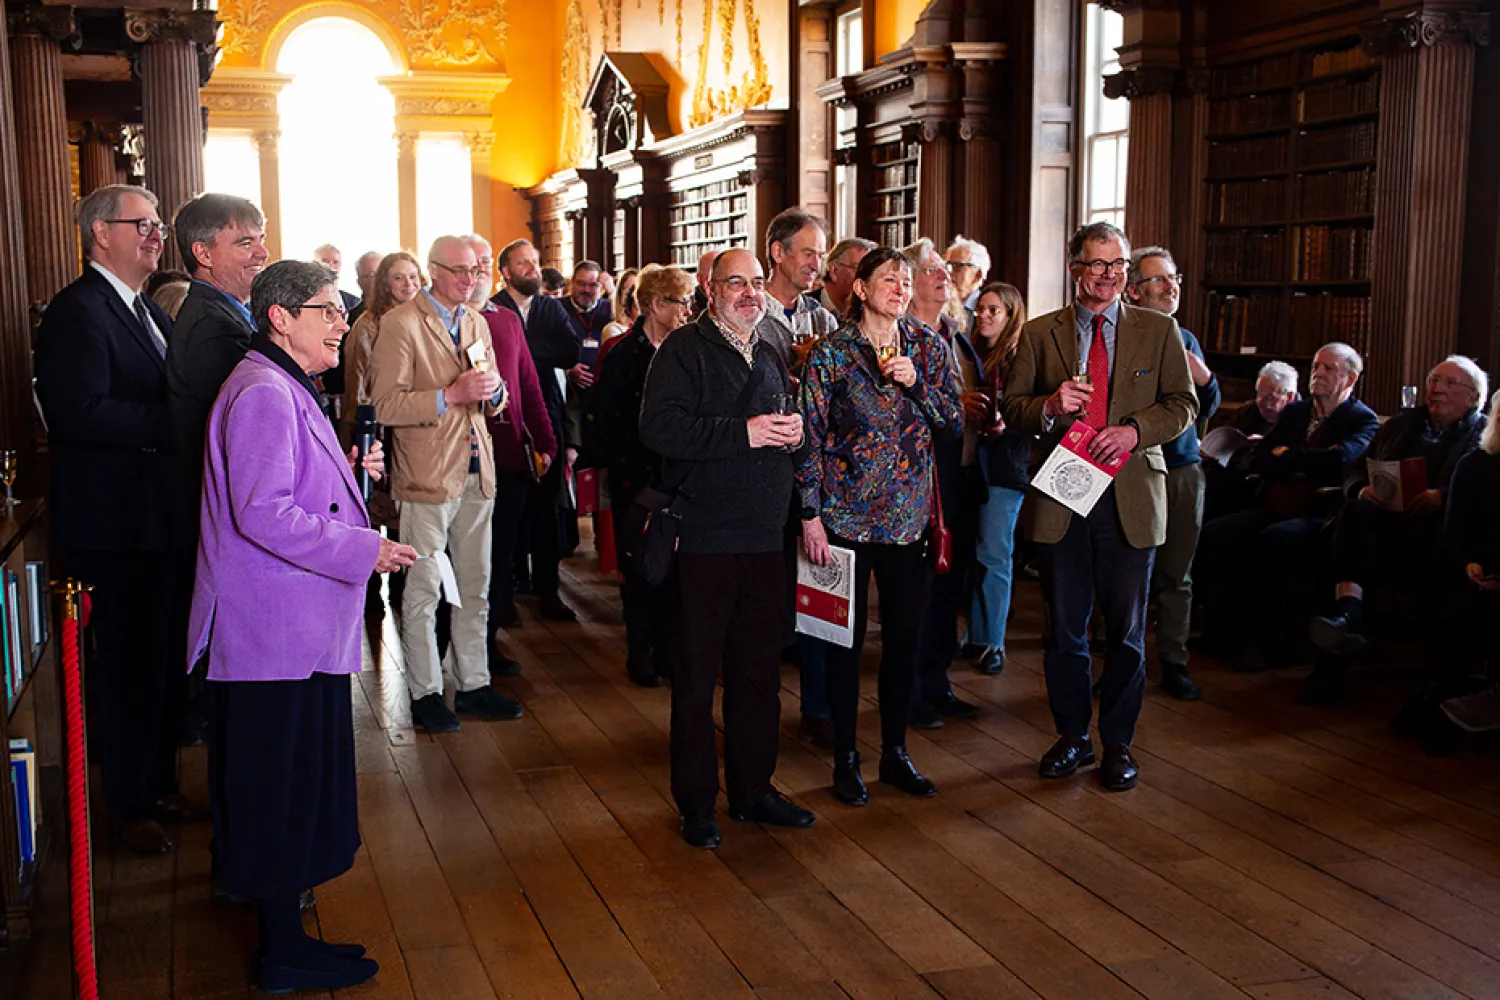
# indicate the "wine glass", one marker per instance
pixel 1081 376
pixel 784 404
pixel 8 474
pixel 885 352
pixel 1408 397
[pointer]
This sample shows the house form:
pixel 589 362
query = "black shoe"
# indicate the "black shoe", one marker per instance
pixel 433 714
pixel 923 716
pixel 1176 682
pixel 1066 756
pixel 700 830
pixel 897 769
pixel 1323 686
pixel 506 616
pixel 773 809
pixel 330 973
pixel 307 901
pixel 552 607
pixel 345 951
pixel 818 732
pixel 1117 772
pixel 848 785
pixel 1338 635
pixel 955 707
pixel 992 661
pixel 487 703
pixel 502 665
pixel 642 671
pixel 972 650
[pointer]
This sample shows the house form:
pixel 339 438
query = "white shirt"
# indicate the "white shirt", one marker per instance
pixel 128 296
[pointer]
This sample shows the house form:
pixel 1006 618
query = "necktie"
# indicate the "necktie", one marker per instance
pixel 1097 414
pixel 145 320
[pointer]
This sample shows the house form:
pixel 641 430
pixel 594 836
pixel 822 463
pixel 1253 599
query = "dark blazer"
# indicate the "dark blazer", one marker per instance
pixel 614 431
pixel 1409 435
pixel 553 346
pixel 116 484
pixel 208 340
pixel 333 378
pixel 1471 532
pixel 1344 435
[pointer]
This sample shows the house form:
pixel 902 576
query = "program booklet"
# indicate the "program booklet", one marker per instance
pixel 1398 483
pixel 1071 476
pixel 825 597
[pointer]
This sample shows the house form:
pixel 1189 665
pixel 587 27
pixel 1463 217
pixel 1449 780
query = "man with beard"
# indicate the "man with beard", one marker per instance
pixel 554 351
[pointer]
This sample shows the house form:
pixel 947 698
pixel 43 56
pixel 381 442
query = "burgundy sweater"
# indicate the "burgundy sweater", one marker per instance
pixel 527 408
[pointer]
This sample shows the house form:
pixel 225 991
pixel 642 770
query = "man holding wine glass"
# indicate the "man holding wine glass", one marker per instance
pixel 1122 371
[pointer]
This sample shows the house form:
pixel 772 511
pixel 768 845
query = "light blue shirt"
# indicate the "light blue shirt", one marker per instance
pixel 1085 322
pixel 450 322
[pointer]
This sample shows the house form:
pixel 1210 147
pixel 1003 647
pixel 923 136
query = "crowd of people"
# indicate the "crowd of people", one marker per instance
pixel 213 458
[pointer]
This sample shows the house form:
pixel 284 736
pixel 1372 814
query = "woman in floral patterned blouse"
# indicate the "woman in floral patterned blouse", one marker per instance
pixel 866 484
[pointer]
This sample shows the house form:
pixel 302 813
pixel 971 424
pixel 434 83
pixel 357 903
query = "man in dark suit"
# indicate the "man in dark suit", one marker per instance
pixel 554 351
pixel 117 501
pixel 222 241
pixel 1138 395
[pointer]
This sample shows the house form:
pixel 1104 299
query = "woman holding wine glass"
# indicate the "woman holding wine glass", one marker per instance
pixel 872 398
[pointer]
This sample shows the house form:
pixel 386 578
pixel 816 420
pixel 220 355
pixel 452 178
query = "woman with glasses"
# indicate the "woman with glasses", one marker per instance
pixel 665 295
pixel 873 396
pixel 398 279
pixel 284 555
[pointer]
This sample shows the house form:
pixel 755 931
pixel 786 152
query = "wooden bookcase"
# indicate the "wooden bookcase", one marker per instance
pixel 1291 202
pixel 708 215
pixel 893 211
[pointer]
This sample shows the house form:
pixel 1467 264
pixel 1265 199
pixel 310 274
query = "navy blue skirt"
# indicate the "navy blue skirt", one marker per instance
pixel 281 783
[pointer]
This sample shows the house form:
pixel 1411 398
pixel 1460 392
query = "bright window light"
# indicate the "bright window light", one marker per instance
pixel 231 165
pixel 445 193
pixel 338 150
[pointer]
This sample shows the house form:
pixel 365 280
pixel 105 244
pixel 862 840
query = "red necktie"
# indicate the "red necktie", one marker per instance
pixel 1097 414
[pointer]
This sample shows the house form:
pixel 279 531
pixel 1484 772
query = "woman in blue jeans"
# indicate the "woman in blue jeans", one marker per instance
pixel 1004 457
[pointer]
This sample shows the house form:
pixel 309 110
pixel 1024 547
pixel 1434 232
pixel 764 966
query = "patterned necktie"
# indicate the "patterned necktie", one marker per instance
pixel 145 320
pixel 1097 414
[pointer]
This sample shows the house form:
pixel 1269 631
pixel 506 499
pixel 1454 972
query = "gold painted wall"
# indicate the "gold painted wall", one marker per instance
pixel 895 20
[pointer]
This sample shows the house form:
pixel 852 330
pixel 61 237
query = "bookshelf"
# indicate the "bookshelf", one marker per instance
pixel 894 210
pixel 714 214
pixel 1291 199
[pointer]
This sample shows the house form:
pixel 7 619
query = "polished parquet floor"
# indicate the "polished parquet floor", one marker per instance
pixel 1271 852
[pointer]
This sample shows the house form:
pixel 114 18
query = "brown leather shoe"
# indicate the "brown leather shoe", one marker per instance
pixel 143 836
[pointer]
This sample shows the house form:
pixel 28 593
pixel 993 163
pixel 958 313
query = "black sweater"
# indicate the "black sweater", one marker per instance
pixel 734 498
pixel 1471 528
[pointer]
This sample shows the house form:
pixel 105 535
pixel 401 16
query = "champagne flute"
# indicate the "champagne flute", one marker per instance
pixel 8 474
pixel 885 352
pixel 784 404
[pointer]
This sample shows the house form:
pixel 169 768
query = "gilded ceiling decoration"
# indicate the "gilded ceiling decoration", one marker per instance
pixel 577 63
pixel 754 87
pixel 245 24
pixel 436 34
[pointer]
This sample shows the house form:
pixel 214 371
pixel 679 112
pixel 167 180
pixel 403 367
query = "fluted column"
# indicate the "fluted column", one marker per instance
pixel 16 423
pixel 406 189
pixel 983 64
pixel 480 144
pixel 96 155
pixel 1421 170
pixel 172 44
pixel 935 190
pixel 266 142
pixel 42 148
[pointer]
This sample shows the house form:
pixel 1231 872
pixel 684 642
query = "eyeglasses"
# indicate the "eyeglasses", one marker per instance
pixel 332 311
pixel 1174 279
pixel 462 272
pixel 1103 267
pixel 686 303
pixel 738 284
pixel 1449 383
pixel 934 270
pixel 144 227
pixel 957 265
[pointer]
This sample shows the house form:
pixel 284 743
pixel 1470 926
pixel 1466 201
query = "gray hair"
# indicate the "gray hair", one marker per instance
pixel 1489 441
pixel 916 254
pixel 979 255
pixel 201 220
pixel 1353 363
pixel 785 226
pixel 1096 232
pixel 1478 380
pixel 842 248
pixel 104 203
pixel 286 283
pixel 1279 372
pixel 327 246
pixel 1139 257
pixel 472 238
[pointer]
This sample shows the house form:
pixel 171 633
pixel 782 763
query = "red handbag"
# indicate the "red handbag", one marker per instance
pixel 940 542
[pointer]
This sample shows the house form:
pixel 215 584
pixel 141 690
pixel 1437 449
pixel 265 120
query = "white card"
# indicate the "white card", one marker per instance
pixel 478 356
pixel 446 575
pixel 825 597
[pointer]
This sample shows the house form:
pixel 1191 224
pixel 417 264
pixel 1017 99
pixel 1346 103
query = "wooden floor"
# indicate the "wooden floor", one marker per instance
pixel 1270 851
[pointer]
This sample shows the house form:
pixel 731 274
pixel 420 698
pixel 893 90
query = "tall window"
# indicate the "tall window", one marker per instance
pixel 1106 123
pixel 849 58
pixel 231 165
pixel 445 194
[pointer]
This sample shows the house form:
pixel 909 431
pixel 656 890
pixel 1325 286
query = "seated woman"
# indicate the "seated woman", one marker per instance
pixel 283 558
pixel 873 395
pixel 1374 528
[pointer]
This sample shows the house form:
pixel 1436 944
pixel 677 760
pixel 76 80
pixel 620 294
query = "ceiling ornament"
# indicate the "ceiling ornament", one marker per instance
pixel 577 58
pixel 754 88
pixel 245 23
pixel 469 33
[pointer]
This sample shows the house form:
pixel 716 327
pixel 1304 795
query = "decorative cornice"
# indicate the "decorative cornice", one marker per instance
pixel 479 143
pixel 52 22
pixel 1425 28
pixel 200 27
pixel 1143 81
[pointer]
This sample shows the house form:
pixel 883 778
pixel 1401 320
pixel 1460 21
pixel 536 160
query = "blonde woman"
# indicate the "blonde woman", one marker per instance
pixel 398 279
pixel 626 309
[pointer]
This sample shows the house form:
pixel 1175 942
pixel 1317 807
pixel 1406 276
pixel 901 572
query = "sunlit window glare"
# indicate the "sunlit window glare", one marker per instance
pixel 445 197
pixel 231 165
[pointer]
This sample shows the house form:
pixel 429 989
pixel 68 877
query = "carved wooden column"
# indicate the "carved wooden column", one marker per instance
pixel 1150 193
pixel 96 155
pixel 51 256
pixel 480 144
pixel 16 421
pixel 978 130
pixel 406 191
pixel 935 182
pixel 1421 171
pixel 174 46
pixel 266 143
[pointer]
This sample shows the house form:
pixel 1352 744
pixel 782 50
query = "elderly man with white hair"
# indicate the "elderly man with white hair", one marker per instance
pixel 1395 523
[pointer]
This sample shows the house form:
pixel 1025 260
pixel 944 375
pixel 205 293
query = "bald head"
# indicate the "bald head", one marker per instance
pixel 452 265
pixel 705 268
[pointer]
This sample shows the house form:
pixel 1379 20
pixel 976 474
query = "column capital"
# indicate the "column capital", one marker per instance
pixel 200 27
pixel 1426 27
pixel 970 129
pixel 479 144
pixel 406 143
pixel 81 132
pixel 266 141
pixel 53 22
pixel 928 130
pixel 1143 81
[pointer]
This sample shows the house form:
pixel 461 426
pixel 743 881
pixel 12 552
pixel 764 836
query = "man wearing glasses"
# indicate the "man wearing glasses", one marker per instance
pixel 1155 283
pixel 435 384
pixel 119 508
pixel 968 266
pixel 1122 371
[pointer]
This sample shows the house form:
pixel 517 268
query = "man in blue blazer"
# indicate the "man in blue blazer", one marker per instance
pixel 117 501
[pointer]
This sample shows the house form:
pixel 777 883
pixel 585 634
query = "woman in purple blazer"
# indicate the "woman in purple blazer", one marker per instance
pixel 285 550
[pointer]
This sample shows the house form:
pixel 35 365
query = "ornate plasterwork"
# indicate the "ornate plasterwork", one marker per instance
pixel 245 23
pixel 239 98
pixel 577 61
pixel 442 106
pixel 435 34
pixel 754 88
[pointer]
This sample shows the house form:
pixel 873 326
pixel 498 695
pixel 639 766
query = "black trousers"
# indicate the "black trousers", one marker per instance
pixel 544 523
pixel 1369 542
pixel 645 607
pixel 138 680
pixel 1093 562
pixel 730 613
pixel 937 642
pixel 512 490
pixel 901 574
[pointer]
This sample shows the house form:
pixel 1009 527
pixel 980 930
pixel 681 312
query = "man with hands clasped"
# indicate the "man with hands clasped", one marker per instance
pixel 1123 371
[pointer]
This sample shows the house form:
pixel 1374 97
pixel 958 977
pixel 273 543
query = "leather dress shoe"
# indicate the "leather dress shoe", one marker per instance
pixel 773 809
pixel 700 830
pixel 848 784
pixel 1067 755
pixel 1117 772
pixel 992 661
pixel 507 616
pixel 487 703
pixel 923 716
pixel 433 714
pixel 818 732
pixel 1338 635
pixel 955 707
pixel 175 808
pixel 971 650
pixel 1176 682
pixel 143 836
pixel 552 608
pixel 897 769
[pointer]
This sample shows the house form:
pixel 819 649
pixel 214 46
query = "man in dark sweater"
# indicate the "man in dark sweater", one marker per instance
pixel 1155 284
pixel 709 411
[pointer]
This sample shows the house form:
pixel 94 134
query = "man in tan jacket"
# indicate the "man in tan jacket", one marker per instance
pixel 1123 371
pixel 433 372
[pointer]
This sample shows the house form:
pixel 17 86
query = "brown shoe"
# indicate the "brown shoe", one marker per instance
pixel 143 836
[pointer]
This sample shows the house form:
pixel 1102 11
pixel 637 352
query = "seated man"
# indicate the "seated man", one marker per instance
pixel 1374 529
pixel 1229 486
pixel 1250 552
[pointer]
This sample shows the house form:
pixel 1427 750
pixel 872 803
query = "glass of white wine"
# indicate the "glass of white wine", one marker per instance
pixel 1081 376
pixel 885 352
pixel 8 474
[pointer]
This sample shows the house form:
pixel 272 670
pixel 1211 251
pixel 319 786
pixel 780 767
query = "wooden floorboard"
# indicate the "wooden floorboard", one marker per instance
pixel 1271 851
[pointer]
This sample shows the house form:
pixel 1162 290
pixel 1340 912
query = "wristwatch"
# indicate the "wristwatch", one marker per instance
pixel 808 513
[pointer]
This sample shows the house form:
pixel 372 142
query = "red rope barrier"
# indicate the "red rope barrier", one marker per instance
pixel 80 860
